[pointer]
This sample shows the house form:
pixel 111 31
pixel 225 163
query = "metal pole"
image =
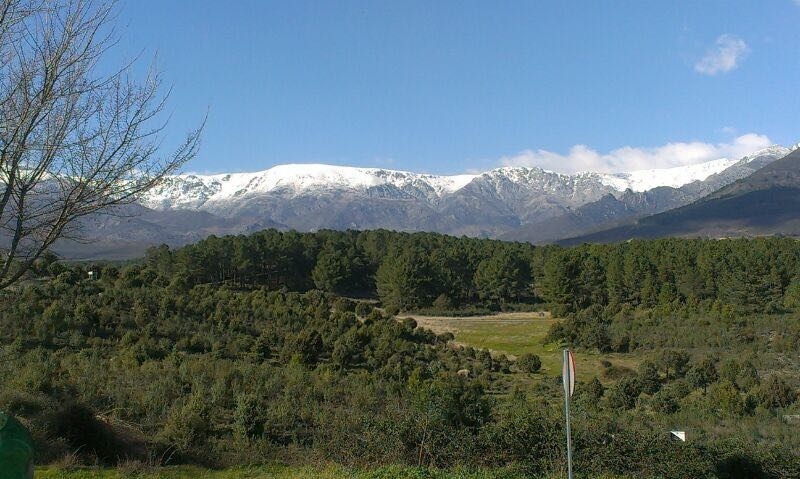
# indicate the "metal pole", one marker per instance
pixel 567 381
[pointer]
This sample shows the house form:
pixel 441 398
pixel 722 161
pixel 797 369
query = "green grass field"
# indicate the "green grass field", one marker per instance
pixel 187 472
pixel 277 472
pixel 517 333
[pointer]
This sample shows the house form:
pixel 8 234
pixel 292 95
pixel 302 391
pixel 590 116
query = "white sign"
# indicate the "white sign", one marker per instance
pixel 568 373
pixel 679 434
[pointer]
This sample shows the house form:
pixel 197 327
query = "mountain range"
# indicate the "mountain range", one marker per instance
pixel 766 202
pixel 514 203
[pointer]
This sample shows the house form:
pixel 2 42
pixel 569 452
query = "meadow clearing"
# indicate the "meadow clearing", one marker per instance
pixel 516 333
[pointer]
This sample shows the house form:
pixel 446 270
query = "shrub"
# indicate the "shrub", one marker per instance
pixel 774 392
pixel 529 363
pixel 363 309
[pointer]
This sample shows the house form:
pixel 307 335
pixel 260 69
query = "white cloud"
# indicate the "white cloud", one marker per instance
pixel 628 158
pixel 726 55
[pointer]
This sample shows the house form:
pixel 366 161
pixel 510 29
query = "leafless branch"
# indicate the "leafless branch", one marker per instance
pixel 73 141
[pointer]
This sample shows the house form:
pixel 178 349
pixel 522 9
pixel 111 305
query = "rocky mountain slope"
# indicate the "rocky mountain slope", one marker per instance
pixel 766 202
pixel 520 203
pixel 613 210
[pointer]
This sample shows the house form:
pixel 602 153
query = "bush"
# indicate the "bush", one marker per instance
pixel 363 309
pixel 775 393
pixel 595 389
pixel 529 363
pixel 85 433
pixel 624 394
pixel 664 403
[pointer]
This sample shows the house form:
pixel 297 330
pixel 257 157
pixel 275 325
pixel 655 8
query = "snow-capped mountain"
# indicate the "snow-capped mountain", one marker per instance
pixel 676 177
pixel 764 203
pixel 521 203
pixel 194 191
pixel 208 192
pixel 673 190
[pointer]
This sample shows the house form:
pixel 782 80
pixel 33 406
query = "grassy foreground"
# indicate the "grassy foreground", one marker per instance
pixel 279 472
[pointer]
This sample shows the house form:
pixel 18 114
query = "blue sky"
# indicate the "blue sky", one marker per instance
pixel 450 87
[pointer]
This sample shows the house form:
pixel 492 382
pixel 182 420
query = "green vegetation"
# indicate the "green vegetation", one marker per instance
pixel 190 472
pixel 223 354
pixel 506 336
pixel 529 363
pixel 277 472
pixel 515 334
pixel 507 333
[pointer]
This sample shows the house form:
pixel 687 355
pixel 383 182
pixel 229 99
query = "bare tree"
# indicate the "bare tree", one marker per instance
pixel 74 140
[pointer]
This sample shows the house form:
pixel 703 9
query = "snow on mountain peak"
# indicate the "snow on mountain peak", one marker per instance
pixel 193 191
pixel 678 176
pixel 774 150
pixel 675 177
pixel 306 176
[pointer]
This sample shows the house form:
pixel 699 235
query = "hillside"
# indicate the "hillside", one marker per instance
pixel 764 203
pixel 248 349
pixel 614 210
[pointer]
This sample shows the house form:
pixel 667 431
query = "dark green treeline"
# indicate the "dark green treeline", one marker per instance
pixel 420 270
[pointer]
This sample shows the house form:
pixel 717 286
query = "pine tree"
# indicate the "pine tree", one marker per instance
pixel 405 280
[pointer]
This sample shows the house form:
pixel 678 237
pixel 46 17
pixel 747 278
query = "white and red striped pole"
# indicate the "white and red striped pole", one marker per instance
pixel 568 378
